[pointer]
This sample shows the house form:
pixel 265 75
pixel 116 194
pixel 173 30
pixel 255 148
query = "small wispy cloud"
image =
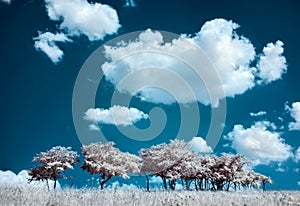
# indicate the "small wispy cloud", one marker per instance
pixel 130 3
pixel 258 114
pixel 46 42
pixel 294 111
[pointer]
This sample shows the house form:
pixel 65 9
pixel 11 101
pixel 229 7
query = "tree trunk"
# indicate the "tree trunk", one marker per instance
pixel 196 187
pixel 165 183
pixel 55 182
pixel 172 184
pixel 47 183
pixel 187 185
pixel 200 184
pixel 103 181
pixel 147 181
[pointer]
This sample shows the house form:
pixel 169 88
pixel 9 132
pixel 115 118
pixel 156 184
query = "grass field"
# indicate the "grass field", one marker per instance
pixel 28 196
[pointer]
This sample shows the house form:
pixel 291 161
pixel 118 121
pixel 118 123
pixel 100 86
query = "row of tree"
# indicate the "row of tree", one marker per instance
pixel 173 163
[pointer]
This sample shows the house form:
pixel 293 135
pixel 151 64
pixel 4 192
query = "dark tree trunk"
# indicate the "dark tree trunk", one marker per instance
pixel 200 184
pixel 187 185
pixel 47 183
pixel 165 182
pixel 172 184
pixel 104 180
pixel 213 186
pixel 228 185
pixel 264 186
pixel 147 181
pixel 55 182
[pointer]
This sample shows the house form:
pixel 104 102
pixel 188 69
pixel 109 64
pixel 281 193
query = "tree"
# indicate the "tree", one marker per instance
pixel 164 160
pixel 108 161
pixel 53 163
pixel 175 161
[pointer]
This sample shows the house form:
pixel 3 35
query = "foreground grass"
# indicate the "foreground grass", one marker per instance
pixel 25 196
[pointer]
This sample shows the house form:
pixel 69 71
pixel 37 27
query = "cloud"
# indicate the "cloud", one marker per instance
pixel 125 187
pixel 297 155
pixel 295 113
pixel 78 17
pixel 155 180
pixel 259 143
pixel 231 54
pixel 280 169
pixel 8 178
pixel 258 114
pixel 116 115
pixel 199 145
pixel 94 127
pixel 130 3
pixel 46 42
pixel 6 1
pixel 271 63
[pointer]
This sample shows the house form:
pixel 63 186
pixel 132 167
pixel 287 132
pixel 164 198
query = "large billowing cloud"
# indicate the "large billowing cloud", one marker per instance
pixel 46 42
pixel 260 143
pixel 271 63
pixel 9 178
pixel 232 55
pixel 295 113
pixel 199 145
pixel 116 115
pixel 75 18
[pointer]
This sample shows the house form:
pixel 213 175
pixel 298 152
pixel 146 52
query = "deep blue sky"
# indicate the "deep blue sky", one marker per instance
pixel 36 103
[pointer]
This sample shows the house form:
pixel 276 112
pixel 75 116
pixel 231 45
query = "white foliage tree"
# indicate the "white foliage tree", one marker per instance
pixel 164 160
pixel 108 161
pixel 52 164
pixel 175 161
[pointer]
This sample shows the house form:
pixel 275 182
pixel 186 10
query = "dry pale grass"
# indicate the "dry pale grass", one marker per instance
pixel 28 196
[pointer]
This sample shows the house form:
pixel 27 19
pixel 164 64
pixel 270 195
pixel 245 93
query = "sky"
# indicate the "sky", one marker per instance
pixel 231 67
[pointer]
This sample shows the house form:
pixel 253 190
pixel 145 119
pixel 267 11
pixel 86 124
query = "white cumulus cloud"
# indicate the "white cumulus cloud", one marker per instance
pixel 271 63
pixel 75 18
pixel 231 54
pixel 9 178
pixel 259 143
pixel 116 115
pixel 199 145
pixel 258 114
pixel 80 17
pixel 46 42
pixel 295 113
